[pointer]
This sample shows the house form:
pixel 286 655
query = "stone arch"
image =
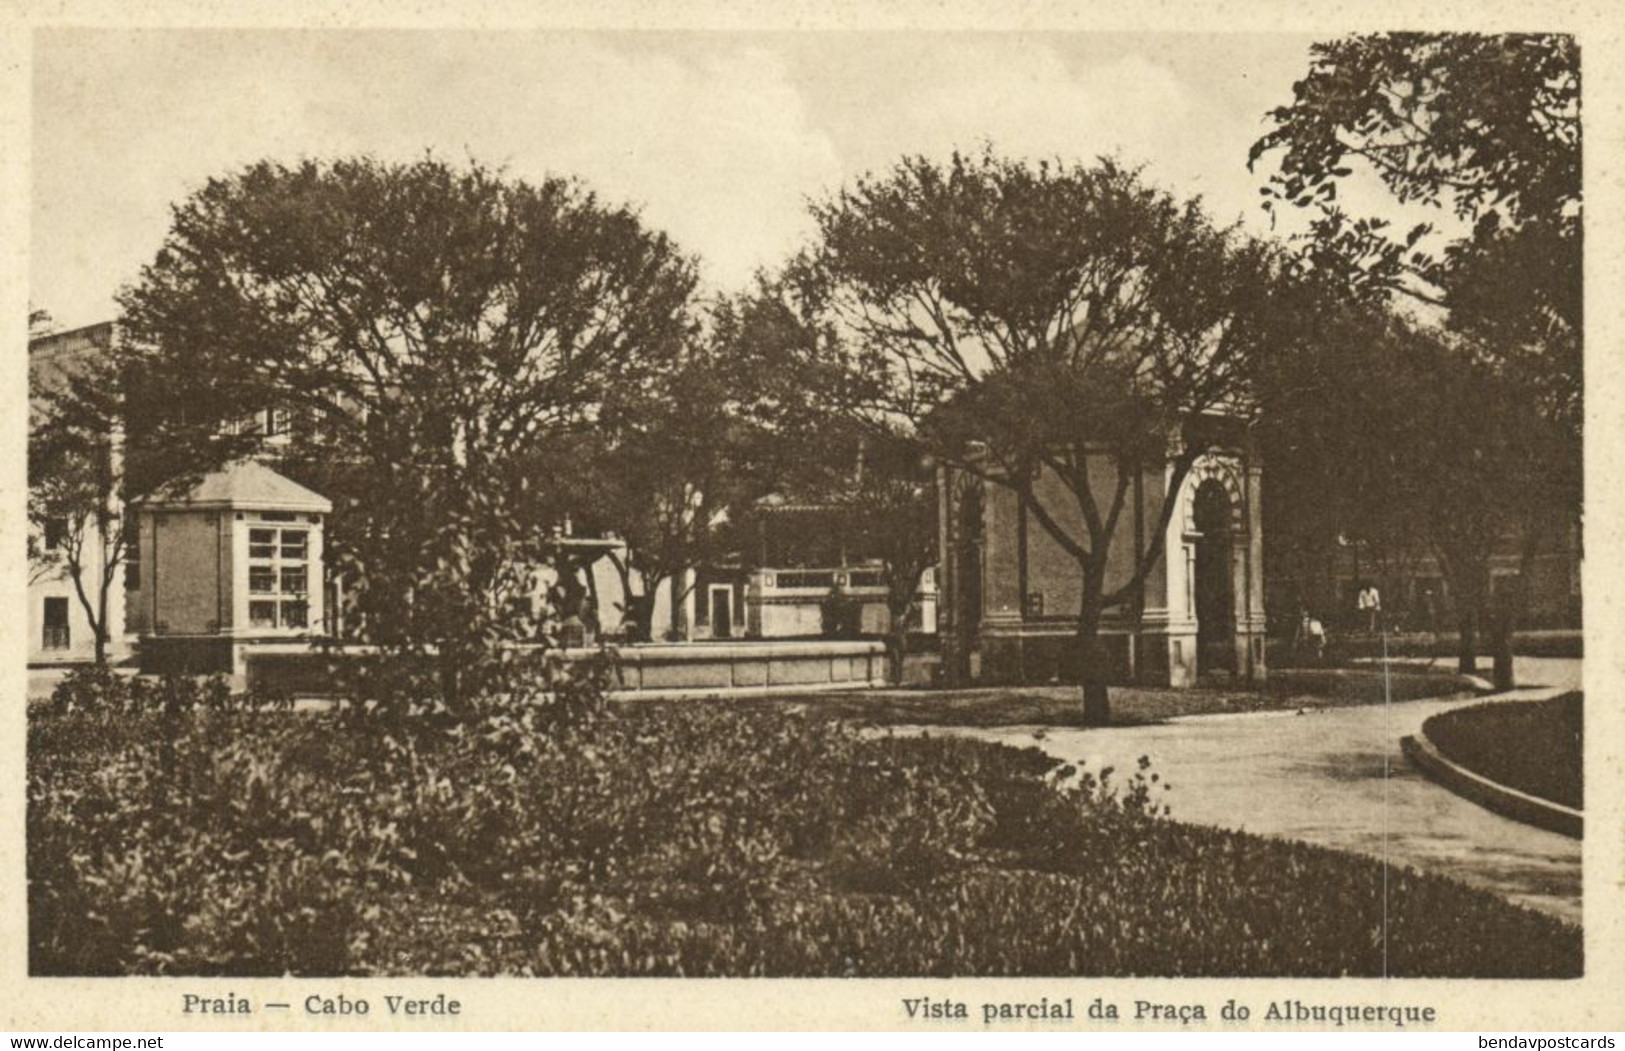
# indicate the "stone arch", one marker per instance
pixel 1226 472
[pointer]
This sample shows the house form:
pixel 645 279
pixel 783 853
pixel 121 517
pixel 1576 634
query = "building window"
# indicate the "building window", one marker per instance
pixel 56 624
pixel 278 578
pixel 261 544
pixel 56 533
pixel 132 551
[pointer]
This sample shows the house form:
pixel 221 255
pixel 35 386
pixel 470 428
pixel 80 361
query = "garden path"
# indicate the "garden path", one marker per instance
pixel 1336 777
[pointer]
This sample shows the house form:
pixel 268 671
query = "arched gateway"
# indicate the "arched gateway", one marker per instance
pixel 1200 610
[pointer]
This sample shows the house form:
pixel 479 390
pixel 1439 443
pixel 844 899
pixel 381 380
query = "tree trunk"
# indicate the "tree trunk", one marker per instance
pixel 1502 646
pixel 1467 648
pixel 897 642
pixel 643 614
pixel 1513 608
pixel 1526 573
pixel 594 603
pixel 637 612
pixel 1468 579
pixel 1092 665
pixel 678 630
pixel 76 573
pixel 896 651
pixel 99 628
pixel 643 608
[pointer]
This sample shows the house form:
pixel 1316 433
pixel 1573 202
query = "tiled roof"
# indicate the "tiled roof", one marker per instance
pixel 244 484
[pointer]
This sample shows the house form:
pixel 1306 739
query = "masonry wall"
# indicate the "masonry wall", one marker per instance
pixel 1032 586
pixel 184 576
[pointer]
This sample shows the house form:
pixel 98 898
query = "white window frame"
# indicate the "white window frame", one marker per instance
pixel 277 564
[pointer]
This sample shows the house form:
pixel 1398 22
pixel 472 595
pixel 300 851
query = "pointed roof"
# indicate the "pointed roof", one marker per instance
pixel 244 485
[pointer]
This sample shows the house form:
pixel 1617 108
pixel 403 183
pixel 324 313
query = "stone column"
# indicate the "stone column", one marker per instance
pixel 1257 624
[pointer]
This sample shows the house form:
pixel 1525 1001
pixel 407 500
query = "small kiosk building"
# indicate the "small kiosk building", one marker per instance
pixel 228 562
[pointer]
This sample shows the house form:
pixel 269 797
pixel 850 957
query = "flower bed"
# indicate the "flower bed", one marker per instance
pixel 684 839
pixel 1531 746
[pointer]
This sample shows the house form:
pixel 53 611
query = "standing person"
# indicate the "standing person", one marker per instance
pixel 1370 604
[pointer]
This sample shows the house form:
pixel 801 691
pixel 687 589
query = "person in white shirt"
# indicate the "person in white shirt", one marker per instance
pixel 1311 635
pixel 1370 604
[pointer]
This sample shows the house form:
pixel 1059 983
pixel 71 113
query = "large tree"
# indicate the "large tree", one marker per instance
pixel 869 476
pixel 661 470
pixel 1050 319
pixel 1333 430
pixel 1487 129
pixel 1385 438
pixel 426 328
pixel 889 501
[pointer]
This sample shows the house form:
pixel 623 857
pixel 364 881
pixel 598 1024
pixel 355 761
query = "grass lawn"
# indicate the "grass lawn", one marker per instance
pixel 1534 746
pixel 1130 705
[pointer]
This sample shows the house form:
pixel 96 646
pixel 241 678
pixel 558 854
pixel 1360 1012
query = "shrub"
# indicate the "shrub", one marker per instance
pixel 684 839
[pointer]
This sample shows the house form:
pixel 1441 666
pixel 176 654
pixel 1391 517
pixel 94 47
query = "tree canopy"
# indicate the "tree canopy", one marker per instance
pixel 426 328
pixel 1024 317
pixel 1485 126
pixel 870 477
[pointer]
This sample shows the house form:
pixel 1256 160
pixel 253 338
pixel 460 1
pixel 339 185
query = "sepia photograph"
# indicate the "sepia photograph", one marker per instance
pixel 769 503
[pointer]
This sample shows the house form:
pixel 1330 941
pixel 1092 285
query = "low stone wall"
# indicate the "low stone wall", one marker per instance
pixel 652 670
pixel 1491 795
pixel 210 654
pixel 750 667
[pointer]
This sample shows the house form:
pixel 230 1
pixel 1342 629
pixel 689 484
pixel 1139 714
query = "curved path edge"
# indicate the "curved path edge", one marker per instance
pixel 1492 795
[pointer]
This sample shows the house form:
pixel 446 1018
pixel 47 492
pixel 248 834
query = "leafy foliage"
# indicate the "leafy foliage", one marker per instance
pixel 682 839
pixel 1387 436
pixel 668 462
pixel 1024 320
pixel 431 332
pixel 870 480
pixel 1487 127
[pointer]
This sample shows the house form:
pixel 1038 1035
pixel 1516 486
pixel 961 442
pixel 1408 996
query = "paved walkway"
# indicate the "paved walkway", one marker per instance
pixel 1336 777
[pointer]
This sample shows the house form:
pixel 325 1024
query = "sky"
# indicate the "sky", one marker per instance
pixel 720 139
